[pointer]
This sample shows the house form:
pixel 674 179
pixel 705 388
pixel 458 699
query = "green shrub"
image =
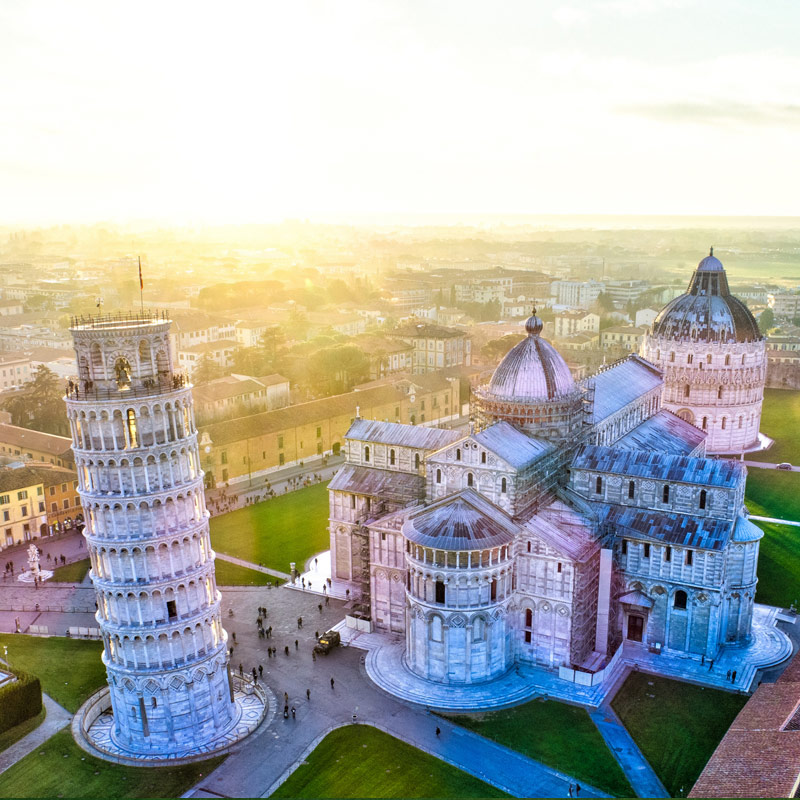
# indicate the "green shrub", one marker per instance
pixel 19 700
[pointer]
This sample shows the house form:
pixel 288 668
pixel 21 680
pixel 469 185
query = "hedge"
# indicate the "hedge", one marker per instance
pixel 19 700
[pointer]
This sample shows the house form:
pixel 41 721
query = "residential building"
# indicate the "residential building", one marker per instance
pixel 435 347
pixel 240 395
pixel 36 445
pixel 625 337
pixel 568 322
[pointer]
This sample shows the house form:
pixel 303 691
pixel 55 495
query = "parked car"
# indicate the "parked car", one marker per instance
pixel 785 465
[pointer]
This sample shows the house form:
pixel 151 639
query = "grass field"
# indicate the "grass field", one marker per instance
pixel 290 527
pixel 776 494
pixel 59 768
pixel 361 761
pixel 676 725
pixel 559 735
pixel 68 669
pixel 233 575
pixel 780 420
pixel 71 573
pixel 12 735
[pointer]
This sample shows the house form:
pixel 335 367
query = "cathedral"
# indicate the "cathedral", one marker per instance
pixel 572 516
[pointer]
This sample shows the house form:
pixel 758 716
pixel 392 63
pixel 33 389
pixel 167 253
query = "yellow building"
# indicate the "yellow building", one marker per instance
pixel 241 448
pixel 32 499
pixel 35 445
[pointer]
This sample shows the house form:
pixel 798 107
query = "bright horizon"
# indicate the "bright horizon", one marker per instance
pixel 199 113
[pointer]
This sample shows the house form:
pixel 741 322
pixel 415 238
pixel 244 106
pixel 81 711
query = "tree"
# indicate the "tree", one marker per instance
pixel 495 349
pixel 766 320
pixel 206 370
pixel 604 302
pixel 338 368
pixel 39 405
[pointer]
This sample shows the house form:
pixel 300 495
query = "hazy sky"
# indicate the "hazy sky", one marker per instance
pixel 246 112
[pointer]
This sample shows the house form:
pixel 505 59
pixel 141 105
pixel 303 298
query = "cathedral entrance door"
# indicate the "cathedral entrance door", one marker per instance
pixel 635 627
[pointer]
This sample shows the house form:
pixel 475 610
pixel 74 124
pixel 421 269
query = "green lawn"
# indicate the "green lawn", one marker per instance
pixel 361 761
pixel 71 573
pixel 780 420
pixel 233 575
pixel 676 725
pixel 559 735
pixel 69 669
pixel 59 768
pixel 776 494
pixel 290 527
pixel 12 735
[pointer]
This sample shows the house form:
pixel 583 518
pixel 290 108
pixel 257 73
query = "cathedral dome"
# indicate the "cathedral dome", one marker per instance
pixel 707 312
pixel 532 370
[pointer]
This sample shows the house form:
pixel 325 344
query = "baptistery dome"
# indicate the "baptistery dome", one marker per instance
pixel 532 370
pixel 713 357
pixel 707 312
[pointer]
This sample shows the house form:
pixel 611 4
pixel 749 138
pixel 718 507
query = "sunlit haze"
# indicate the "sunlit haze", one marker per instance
pixel 250 112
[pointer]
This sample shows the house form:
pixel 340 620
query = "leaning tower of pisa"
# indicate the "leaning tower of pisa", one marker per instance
pixel 141 487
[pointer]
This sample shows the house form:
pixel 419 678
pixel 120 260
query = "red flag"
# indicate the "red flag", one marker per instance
pixel 141 282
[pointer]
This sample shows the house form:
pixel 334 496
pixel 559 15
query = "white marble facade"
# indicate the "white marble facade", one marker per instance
pixel 141 488
pixel 500 546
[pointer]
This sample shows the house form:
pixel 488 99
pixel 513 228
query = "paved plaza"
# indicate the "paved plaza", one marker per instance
pixel 259 763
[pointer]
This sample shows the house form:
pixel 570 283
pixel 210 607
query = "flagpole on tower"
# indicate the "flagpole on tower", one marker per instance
pixel 141 287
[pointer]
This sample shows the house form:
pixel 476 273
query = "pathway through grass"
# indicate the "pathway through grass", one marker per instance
pixel 233 575
pixel 677 726
pixel 559 735
pixel 290 527
pixel 361 761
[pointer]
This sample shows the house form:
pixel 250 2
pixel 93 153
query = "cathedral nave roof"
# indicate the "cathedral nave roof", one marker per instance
pixel 620 384
pixel 660 466
pixel 513 446
pixel 665 432
pixel 417 436
pixel 681 530
pixel 462 521
pixel 391 485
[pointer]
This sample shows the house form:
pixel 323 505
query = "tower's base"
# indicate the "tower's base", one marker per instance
pixel 94 722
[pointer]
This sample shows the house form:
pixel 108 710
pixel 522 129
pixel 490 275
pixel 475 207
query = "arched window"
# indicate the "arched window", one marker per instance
pixel 702 498
pixel 672 356
pixel 529 547
pixel 133 436
pixel 705 423
pixel 724 422
pixel 708 358
pixel 742 359
pixel 469 479
pixel 598 485
pixel 438 476
pixel 689 358
pixel 458 454
pixel 665 494
pixel 631 489
pixel 686 390
pixel 679 601
pixel 528 625
pixel 478 629
pixel 740 423
pixel 391 457
pixel 503 486
pixel 493 595
pixel 727 360
pixel 416 460
pixel 483 458
pixel 436 629
pixel 719 393
pixel 366 453
pixel 440 591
